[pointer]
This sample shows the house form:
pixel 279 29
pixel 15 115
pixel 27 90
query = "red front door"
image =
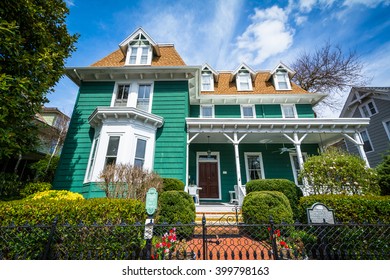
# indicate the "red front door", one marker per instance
pixel 208 180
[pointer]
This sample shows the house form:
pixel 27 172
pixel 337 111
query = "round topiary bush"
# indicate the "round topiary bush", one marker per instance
pixel 287 187
pixel 259 206
pixel 176 207
pixel 172 184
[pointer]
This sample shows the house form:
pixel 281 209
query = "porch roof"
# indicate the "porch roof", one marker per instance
pixel 272 130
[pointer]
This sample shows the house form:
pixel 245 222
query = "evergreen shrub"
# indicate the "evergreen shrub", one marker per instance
pixel 259 206
pixel 176 207
pixel 9 186
pixel 356 208
pixel 172 184
pixel 383 171
pixel 287 187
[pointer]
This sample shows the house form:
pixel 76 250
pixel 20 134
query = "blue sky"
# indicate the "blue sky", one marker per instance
pixel 225 33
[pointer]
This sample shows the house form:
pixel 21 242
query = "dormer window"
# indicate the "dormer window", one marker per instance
pixel 281 77
pixel 244 81
pixel 207 81
pixel 139 51
pixel 282 81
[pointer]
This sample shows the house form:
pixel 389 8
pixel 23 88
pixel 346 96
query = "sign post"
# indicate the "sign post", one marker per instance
pixel 151 206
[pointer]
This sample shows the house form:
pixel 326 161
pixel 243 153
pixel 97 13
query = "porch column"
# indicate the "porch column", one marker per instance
pixel 188 159
pixel 235 141
pixel 360 146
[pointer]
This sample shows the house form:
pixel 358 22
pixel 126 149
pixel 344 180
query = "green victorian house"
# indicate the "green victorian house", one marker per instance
pixel 143 105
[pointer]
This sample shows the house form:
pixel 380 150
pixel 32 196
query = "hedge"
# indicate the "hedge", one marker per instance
pixel 287 187
pixel 96 210
pixel 259 206
pixel 356 208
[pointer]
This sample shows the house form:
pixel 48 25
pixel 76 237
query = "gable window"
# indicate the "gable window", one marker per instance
pixel 112 150
pixel 207 81
pixel 289 111
pixel 366 141
pixel 139 51
pixel 139 158
pixel 206 111
pixel 386 124
pixel 368 109
pixel 244 81
pixel 247 111
pixel 253 166
pixel 143 97
pixel 122 94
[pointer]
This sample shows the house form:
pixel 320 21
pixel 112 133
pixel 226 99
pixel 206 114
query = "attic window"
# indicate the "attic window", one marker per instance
pixel 207 80
pixel 281 80
pixel 243 80
pixel 139 51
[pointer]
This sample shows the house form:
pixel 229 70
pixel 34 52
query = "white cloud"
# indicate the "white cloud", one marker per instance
pixel 368 3
pixel 299 20
pixel 268 34
pixel 306 5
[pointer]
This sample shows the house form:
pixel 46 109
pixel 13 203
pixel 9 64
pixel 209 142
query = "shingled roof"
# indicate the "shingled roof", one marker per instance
pixel 168 57
pixel 261 85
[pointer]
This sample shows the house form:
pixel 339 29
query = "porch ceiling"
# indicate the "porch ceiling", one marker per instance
pixel 270 131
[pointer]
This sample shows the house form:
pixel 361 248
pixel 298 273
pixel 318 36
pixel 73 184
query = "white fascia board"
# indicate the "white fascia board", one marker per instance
pixel 284 66
pixel 277 125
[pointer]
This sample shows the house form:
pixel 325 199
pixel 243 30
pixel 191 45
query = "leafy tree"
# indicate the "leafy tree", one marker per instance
pixel 383 170
pixel 337 172
pixel 34 43
pixel 329 70
pixel 45 168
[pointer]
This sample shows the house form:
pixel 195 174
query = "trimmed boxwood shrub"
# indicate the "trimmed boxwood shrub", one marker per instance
pixel 72 239
pixel 356 208
pixel 176 207
pixel 172 184
pixel 259 206
pixel 34 187
pixel 287 187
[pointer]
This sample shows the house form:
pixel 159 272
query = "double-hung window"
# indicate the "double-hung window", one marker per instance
pixel 254 166
pixel 281 80
pixel 289 111
pixel 206 111
pixel 247 111
pixel 143 97
pixel 139 55
pixel 244 81
pixel 366 141
pixel 386 124
pixel 207 81
pixel 368 109
pixel 140 150
pixel 112 150
pixel 122 95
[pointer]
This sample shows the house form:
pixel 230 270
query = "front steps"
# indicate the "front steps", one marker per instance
pixel 224 214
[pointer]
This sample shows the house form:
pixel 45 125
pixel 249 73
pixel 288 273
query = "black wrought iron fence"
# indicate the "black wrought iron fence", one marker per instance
pixel 217 241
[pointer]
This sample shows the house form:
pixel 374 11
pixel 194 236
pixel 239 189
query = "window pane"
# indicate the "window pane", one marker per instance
pixel 140 153
pixel 207 111
pixel 206 82
pixel 144 56
pixel 366 141
pixel 122 95
pixel 244 81
pixel 282 81
pixel 113 144
pixel 143 97
pixel 133 55
pixel 254 167
pixel 247 111
pixel 371 107
pixel 288 111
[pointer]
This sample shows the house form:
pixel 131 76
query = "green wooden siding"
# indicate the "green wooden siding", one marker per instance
pixel 305 111
pixel 276 165
pixel 259 111
pixel 195 111
pixel 75 153
pixel 170 101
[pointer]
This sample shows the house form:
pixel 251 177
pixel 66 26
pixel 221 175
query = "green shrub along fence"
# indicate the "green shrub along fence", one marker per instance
pixel 224 241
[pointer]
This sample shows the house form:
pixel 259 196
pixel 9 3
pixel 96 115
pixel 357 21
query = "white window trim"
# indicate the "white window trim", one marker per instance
pixel 90 168
pixel 211 81
pixel 247 167
pixel 294 170
pixel 294 108
pixel 242 111
pixel 365 104
pixel 146 156
pixel 133 92
pixel 276 82
pixel 369 140
pixel 139 54
pixel 238 77
pixel 386 129
pixel 219 171
pixel 212 110
pixel 150 94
